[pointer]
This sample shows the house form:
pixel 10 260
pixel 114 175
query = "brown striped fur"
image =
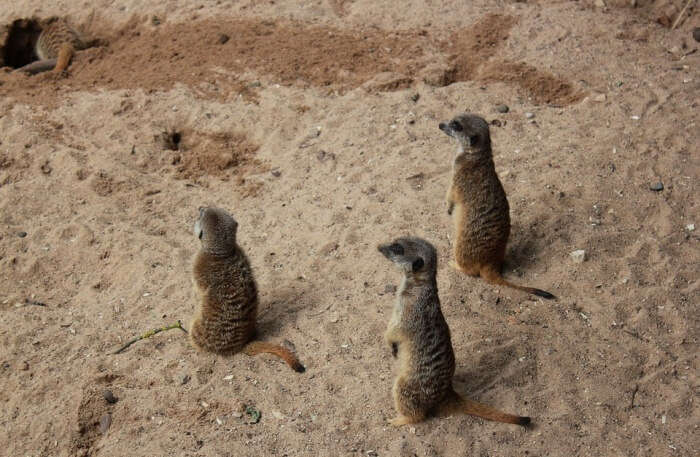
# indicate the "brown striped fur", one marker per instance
pixel 58 40
pixel 419 337
pixel 478 204
pixel 225 320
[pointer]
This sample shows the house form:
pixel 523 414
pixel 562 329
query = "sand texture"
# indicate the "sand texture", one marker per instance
pixel 316 125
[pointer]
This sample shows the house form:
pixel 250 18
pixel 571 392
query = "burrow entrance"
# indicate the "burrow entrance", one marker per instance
pixel 17 42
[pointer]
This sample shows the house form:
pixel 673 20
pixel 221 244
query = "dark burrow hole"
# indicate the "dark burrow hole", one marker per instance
pixel 171 140
pixel 17 50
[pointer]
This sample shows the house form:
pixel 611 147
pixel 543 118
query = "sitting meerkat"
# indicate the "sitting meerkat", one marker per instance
pixel 420 338
pixel 225 320
pixel 478 204
pixel 55 46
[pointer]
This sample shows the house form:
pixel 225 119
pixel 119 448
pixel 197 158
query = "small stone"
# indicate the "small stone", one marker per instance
pixel 502 108
pixel 578 256
pixel 223 38
pixel 276 173
pixel 109 397
pixel 278 415
pixel 21 234
pixel 415 97
pixel 219 421
pixel 105 422
pixel 696 34
pixel 236 414
pixel 496 122
pixel 600 98
pixel 657 186
pixel 690 227
pixel 389 289
pixel 155 20
pixel 228 377
pixel 599 3
pixel 184 379
pixel 529 115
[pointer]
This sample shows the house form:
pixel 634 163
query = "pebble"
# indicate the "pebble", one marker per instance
pixel 389 289
pixel 278 415
pixel 578 256
pixel 276 173
pixel 502 108
pixel 236 414
pixel 696 34
pixel 223 38
pixel 219 421
pixel 415 97
pixel 21 234
pixel 496 122
pixel 690 227
pixel 600 98
pixel 529 115
pixel 105 422
pixel 657 186
pixel 228 377
pixel 184 379
pixel 600 3
pixel 109 397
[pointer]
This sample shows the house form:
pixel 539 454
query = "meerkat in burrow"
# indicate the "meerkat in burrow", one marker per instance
pixel 55 46
pixel 420 338
pixel 478 204
pixel 225 319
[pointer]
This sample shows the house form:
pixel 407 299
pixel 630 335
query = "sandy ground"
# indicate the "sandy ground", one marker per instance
pixel 314 125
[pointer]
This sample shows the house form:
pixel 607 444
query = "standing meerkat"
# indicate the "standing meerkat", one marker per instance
pixel 420 338
pixel 55 46
pixel 225 319
pixel 478 204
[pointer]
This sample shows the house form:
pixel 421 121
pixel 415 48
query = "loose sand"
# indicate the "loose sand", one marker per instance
pixel 315 124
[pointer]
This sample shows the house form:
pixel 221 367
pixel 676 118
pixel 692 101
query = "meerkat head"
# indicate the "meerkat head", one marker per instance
pixel 216 229
pixel 470 131
pixel 414 256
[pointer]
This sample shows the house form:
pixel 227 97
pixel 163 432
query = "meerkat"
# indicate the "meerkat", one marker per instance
pixel 478 204
pixel 55 46
pixel 419 338
pixel 224 322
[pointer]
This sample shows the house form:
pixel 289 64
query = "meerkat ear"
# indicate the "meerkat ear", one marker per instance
pixel 473 139
pixel 417 264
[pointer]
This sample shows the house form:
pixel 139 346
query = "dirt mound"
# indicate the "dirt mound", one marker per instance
pixel 211 57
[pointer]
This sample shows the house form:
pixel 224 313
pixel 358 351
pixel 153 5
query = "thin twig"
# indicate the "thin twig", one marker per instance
pixel 29 301
pixel 680 15
pixel 149 334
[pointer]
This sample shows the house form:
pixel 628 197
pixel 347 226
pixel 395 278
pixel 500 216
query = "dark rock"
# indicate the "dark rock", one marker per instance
pixel 109 397
pixel 21 234
pixel 657 186
pixel 502 108
pixel 696 34
pixel 105 422
pixel 223 38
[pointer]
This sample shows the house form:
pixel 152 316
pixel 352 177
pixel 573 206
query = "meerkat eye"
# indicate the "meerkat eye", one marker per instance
pixel 417 264
pixel 456 126
pixel 473 139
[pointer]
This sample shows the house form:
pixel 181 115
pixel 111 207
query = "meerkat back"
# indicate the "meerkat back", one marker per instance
pixel 228 295
pixel 58 40
pixel 225 320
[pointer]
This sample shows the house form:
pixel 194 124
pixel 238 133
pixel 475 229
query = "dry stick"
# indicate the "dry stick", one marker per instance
pixel 149 334
pixel 680 15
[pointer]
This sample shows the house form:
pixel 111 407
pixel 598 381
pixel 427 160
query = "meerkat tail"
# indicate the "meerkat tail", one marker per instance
pixel 38 66
pixel 260 347
pixel 496 278
pixel 64 56
pixel 458 404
